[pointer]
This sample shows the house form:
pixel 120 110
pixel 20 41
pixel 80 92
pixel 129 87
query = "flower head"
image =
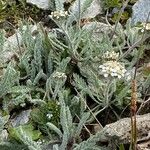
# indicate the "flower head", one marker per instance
pixel 113 69
pixel 49 116
pixel 111 55
pixel 59 13
pixel 146 26
pixel 59 75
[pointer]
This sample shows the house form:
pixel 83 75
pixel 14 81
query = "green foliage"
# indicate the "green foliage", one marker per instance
pixel 124 17
pixel 3 121
pixel 78 10
pixel 121 147
pixel 71 132
pixel 40 115
pixel 2 39
pixel 90 143
pixel 8 80
pixel 28 130
pixel 14 146
pixel 57 75
pixel 54 128
pixel 26 134
pixel 112 3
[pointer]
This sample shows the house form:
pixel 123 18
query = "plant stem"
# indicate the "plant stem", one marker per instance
pixel 133 116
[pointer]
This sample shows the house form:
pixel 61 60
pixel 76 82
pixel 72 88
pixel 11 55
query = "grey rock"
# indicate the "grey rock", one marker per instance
pixel 93 10
pixel 119 132
pixel 141 9
pixel 21 118
pixel 43 4
pixel 121 129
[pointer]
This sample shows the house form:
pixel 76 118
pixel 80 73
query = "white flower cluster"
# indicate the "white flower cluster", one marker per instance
pixel 49 116
pixel 39 142
pixel 112 68
pixel 59 75
pixel 146 26
pixel 59 13
pixel 111 55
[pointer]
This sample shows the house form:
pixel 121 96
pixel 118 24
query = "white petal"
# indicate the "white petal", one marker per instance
pixel 119 76
pixel 105 75
pixel 51 16
pixel 107 68
pixel 142 30
pixel 113 70
pixel 100 66
pixel 103 70
pixel 124 70
pixel 113 74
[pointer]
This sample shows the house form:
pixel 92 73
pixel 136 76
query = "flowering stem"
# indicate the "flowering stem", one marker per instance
pixel 133 116
pixel 133 110
pixel 107 92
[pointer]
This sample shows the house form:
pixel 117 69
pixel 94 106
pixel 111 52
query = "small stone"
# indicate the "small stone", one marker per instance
pixel 21 118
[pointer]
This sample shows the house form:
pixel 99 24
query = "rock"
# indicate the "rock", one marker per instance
pixel 141 9
pixel 93 10
pixel 43 4
pixel 21 118
pixel 121 130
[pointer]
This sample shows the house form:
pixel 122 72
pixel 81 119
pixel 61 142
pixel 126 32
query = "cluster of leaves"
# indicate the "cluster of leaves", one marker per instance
pixel 56 72
pixel 114 7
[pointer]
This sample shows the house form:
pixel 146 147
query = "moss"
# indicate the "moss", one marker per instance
pixel 40 118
